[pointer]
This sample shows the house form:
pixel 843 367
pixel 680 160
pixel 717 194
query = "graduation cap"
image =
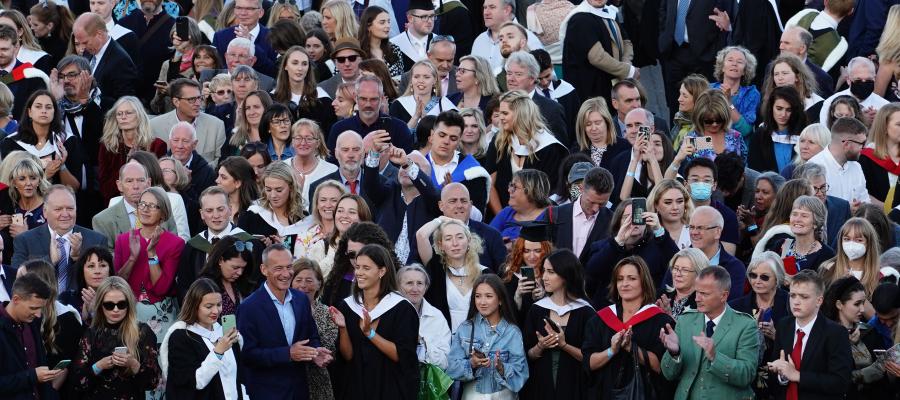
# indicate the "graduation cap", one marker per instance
pixel 536 231
pixel 421 5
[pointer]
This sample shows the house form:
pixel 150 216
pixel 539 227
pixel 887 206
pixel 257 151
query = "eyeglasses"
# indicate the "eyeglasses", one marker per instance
pixel 70 75
pixel 343 59
pixel 464 70
pixel 304 139
pixel 291 2
pixel 223 92
pixel 242 246
pixel 682 271
pixel 428 17
pixel 763 277
pixel 245 9
pixel 195 99
pixel 713 122
pixel 121 114
pixel 148 206
pixel 281 121
pixel 861 144
pixel 513 187
pixel 701 228
pixel 121 305
pixel 821 189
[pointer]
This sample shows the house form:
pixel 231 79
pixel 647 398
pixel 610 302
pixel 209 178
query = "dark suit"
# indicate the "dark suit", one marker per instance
pixel 202 176
pixel 116 75
pixel 555 116
pixel 336 175
pixel 270 373
pixel 562 239
pixel 826 364
pixel 21 90
pixel 18 380
pixel 265 55
pixel 154 41
pixel 36 244
pixel 838 213
pixel 824 81
pixel 756 27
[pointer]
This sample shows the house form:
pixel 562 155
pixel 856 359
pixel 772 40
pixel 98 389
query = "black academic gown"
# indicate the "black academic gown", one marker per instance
pixel 571 380
pixel 547 159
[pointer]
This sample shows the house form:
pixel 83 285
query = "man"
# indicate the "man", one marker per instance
pixel 182 145
pixel 370 118
pixel 626 95
pixel 247 15
pixel 215 211
pixel 636 119
pixel 557 89
pixel 276 359
pixel 862 84
pixel 447 164
pixel 21 78
pixel 210 131
pixel 487 44
pixel 349 155
pixel 828 46
pixel 153 27
pixel 24 374
pixel 838 208
pixel 586 219
pixel 346 55
pixel 122 216
pixel 712 352
pixel 61 241
pixel 415 41
pixel 240 51
pixel 457 204
pixel 842 170
pixel 814 359
pixel 126 38
pixel 441 53
pixel 705 229
pixel 513 38
pixel 521 74
pixel 886 301
pixel 736 182
pixel 595 49
pixel 112 68
pixel 702 181
pixel 796 40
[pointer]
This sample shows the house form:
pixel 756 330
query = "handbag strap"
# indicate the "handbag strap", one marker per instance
pixel 149 34
pixel 472 338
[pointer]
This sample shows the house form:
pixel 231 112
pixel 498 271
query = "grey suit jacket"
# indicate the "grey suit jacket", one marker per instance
pixel 451 85
pixel 35 244
pixel 210 133
pixel 265 82
pixel 330 85
pixel 114 221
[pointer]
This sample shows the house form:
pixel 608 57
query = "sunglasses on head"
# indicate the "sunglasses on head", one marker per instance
pixel 443 38
pixel 754 275
pixel 343 59
pixel 109 305
pixel 241 246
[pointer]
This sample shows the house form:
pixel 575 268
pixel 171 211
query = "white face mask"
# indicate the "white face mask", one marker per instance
pixel 853 250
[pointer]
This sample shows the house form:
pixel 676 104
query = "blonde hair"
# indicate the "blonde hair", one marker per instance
pixel 226 16
pixel 345 23
pixel 436 87
pixel 483 142
pixel 879 132
pixel 27 167
pixel 218 81
pixel 806 82
pixel 597 105
pixel 112 135
pixel 819 133
pixel 275 13
pixel 528 123
pixel 6 101
pixel 839 266
pixel 711 103
pixel 11 161
pixel 313 126
pixel 661 188
pixel 283 172
pixel 471 263
pixel 331 183
pixel 889 46
pixel 129 331
pixel 483 75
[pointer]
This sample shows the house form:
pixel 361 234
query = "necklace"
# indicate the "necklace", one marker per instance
pixel 305 172
pixel 813 247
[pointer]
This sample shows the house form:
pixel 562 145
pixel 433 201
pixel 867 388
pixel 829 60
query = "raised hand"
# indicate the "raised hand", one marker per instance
pixel 226 341
pixel 75 241
pixel 723 22
pixel 669 339
pixel 337 317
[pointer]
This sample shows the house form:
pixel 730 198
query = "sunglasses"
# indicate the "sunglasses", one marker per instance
pixel 242 246
pixel 754 275
pixel 109 305
pixel 443 38
pixel 343 59
pixel 712 122
pixel 223 92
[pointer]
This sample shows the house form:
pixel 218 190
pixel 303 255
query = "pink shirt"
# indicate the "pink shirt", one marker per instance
pixel 581 227
pixel 168 250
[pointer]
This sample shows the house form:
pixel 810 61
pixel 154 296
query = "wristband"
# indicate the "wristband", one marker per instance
pixel 371 334
pixel 219 356
pixel 373 159
pixel 97 370
pixel 609 353
pixel 659 231
pixel 752 228
pixel 630 173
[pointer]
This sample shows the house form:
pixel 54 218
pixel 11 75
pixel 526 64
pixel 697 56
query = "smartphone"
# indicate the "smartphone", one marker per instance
pixel 259 237
pixel 478 354
pixel 18 219
pixel 62 364
pixel 182 29
pixel 703 143
pixel 767 315
pixel 528 273
pixel 880 353
pixel 121 350
pixel 638 207
pixel 553 325
pixel 644 131
pixel 228 322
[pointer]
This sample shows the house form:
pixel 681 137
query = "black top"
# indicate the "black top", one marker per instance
pixel 570 380
pixel 186 354
pixel 547 160
pixel 115 383
pixel 810 261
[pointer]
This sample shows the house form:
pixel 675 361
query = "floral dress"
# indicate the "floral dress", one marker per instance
pixel 734 143
pixel 116 383
pixel 319 380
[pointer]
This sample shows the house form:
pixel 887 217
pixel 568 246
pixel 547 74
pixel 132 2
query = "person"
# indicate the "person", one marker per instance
pixel 475 138
pixel 198 356
pixel 276 365
pixel 240 52
pixel 571 178
pixel 475 83
pixel 248 13
pixel 249 116
pixel 773 141
pixel 886 230
pixel 349 210
pixel 446 161
pixel 319 47
pixel 681 296
pixel 24 197
pixel 423 96
pixel 308 280
pixel 456 203
pixel 838 209
pixel 887 309
pixel 650 155
pixel 595 134
pixel 797 41
pixel 806 249
pixel 877 163
pixel 346 55
pixel 115 72
pixel 8 122
pixel 857 255
pixel 344 103
pixel 186 97
pixel 692 86
pixel 338 281
pixel 320 223
pixel 434 333
pixel 219 90
pixel 370 118
pixel 885 81
pixel 374 38
pixel 843 303
pixel 522 271
pixel 126 128
pixel 92 268
pixel 702 177
pixel 528 193
pixel 232 265
pixel 179 216
pixel 844 174
pixel 487 45
pixel 296 87
pixel 190 58
pixel 101 371
pixel 672 202
pixel 789 70
pixel 734 72
pixel 127 39
pixel 236 177
pixel 338 20
pixel 711 118
pixel 586 218
pixel 825 370
pixel 310 153
pixel 257 155
pixel 52 26
pixel 416 40
pixel 274 131
pixel 522 71
pixel 378 345
pixel 279 208
pixel 813 139
pixel 21 88
pixel 378 69
pixel 441 53
pixel 772 202
pixel 861 77
pixel 828 46
pixel 486 352
pixel 844 106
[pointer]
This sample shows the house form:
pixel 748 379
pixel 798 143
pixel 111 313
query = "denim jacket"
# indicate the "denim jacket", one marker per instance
pixel 505 338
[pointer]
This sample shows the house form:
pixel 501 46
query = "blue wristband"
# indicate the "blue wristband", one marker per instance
pixel 659 231
pixel 97 370
pixel 629 173
pixel 219 356
pixel 609 353
pixel 371 334
pixel 752 228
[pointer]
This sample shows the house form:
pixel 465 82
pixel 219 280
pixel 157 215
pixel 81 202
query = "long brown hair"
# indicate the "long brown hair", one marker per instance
pixel 367 19
pixel 648 290
pixel 194 298
pixel 283 92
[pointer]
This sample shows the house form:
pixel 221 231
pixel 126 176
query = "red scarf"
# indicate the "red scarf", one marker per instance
pixel 609 317
pixel 885 163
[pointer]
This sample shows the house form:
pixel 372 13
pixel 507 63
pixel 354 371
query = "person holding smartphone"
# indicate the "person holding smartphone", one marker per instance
pixel 522 272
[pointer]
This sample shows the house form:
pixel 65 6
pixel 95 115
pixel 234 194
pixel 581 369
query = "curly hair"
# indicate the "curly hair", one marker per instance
pixel 749 65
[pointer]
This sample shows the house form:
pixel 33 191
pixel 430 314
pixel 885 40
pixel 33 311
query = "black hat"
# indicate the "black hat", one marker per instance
pixel 420 5
pixel 535 231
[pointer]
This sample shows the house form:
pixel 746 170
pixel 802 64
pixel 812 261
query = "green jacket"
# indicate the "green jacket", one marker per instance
pixel 730 376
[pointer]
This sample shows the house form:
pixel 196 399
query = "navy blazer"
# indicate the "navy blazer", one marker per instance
pixel 265 55
pixel 562 239
pixel 827 362
pixel 16 380
pixel 838 213
pixel 270 372
pixel 116 75
pixel 35 243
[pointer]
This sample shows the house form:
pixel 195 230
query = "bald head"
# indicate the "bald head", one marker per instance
pixel 90 31
pixel 348 152
pixel 455 202
pixel 796 41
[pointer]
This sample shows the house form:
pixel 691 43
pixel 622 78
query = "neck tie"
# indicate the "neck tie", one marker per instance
pixel 214 241
pixel 710 328
pixel 681 20
pixel 62 266
pixel 353 185
pixel 93 61
pixel 546 92
pixel 796 355
pixel 614 33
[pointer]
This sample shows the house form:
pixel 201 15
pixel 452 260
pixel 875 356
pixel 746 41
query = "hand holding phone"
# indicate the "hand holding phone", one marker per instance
pixel 528 273
pixel 62 364
pixel 229 322
pixel 638 208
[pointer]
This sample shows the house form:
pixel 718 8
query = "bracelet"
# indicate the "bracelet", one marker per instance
pixel 97 370
pixel 659 232
pixel 752 228
pixel 219 356
pixel 609 353
pixel 371 334
pixel 630 173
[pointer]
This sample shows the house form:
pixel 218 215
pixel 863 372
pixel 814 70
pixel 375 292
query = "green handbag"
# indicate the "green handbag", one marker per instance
pixel 434 383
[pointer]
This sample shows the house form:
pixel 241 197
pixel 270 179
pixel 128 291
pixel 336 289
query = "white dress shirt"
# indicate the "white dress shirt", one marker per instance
pixel 488 48
pixel 846 181
pixel 4 296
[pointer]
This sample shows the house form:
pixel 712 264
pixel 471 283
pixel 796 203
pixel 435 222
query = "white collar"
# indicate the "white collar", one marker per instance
pixel 211 335
pixel 562 309
pixel 384 305
pixel 429 310
pixel 228 231
pixel 541 140
pixel 254 33
pixel 269 217
pixel 458 272
pixel 716 319
pixel 805 328
pixel 54 235
pixel 453 160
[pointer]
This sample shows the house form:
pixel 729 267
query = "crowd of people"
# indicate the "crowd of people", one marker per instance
pixel 449 199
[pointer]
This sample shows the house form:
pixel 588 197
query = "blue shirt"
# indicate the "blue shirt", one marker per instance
pixel 715 259
pixel 285 313
pixel 506 223
pixel 746 101
pixel 505 339
pixel 287 153
pixel 783 154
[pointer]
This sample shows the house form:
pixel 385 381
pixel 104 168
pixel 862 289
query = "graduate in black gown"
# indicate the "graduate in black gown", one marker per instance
pixel 610 343
pixel 523 265
pixel 554 332
pixel 378 333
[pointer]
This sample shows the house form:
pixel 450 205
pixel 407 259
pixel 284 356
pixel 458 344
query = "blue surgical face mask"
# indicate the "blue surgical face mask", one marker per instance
pixel 701 191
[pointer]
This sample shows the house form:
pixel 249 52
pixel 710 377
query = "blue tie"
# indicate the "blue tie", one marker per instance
pixel 62 267
pixel 709 328
pixel 615 37
pixel 680 20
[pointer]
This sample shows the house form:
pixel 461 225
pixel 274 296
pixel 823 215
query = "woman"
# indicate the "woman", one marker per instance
pixel 349 210
pixel 379 69
pixel 175 175
pixel 475 83
pixel 199 358
pixel 886 230
pixel 29 50
pixel 320 223
pixel 734 71
pixel 275 131
pixel 126 129
pixel 555 331
pixel 283 11
pixel 190 58
pixel 844 106
pixel 379 345
pixel 249 115
pixel 774 140
pixel 237 179
pixel 486 352
pixel 776 222
pixel 91 269
pixel 102 371
pixel 888 51
pixel 789 70
pixel 807 248
pixel 147 257
pixel 881 164
pixel 528 192
pixel 422 97
pixel 768 304
pixel 813 139
pixel 296 88
pixel 434 333
pixel 205 13
pixel 544 19
pixel 344 103
pixel 155 174
pixel 232 267
pixel 453 258
pixel 51 24
pixel 474 139
pixel 226 17
pixel 319 48
pixel 339 280
pixel 522 271
pixel 41 133
pixel 672 202
pixel 308 279
pixel 632 294
pixel 374 39
pixel 284 34
pixel 691 88
pixel 219 91
pixel 844 303
pixel 276 215
pixel 8 123
pixel 711 120
pixel 767 186
pixel 23 201
pixel 310 152
pixel 857 256
pixel 257 155
pixel 685 266
pixel 647 240
pixel 595 133
pixel 339 20
pixel 653 153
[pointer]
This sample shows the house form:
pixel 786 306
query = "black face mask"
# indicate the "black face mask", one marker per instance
pixel 862 89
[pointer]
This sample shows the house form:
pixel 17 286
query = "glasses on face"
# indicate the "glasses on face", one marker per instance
pixel 121 305
pixel 304 139
pixel 245 9
pixel 123 114
pixel 343 59
pixel 712 122
pixel 858 143
pixel 223 92
pixel 821 189
pixel 195 99
pixel 281 121
pixel 461 70
pixel 70 75
pixel 148 206
pixel 763 277
pixel 428 17
pixel 692 228
pixel 243 246
pixel 513 187
pixel 682 271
